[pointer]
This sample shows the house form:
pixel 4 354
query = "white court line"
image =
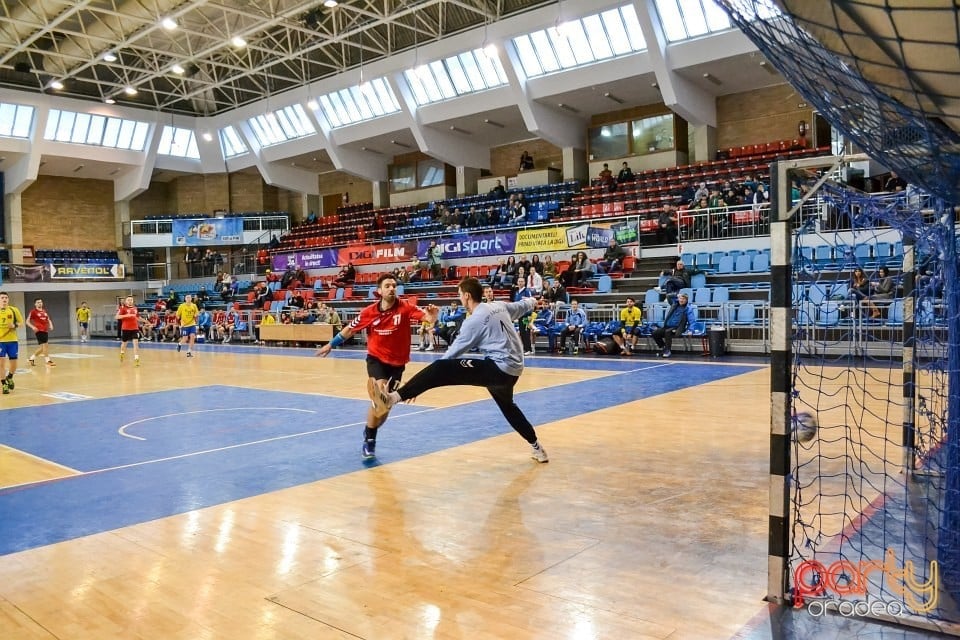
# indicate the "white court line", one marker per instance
pixel 122 430
pixel 38 458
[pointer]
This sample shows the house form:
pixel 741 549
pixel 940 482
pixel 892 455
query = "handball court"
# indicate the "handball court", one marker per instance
pixel 223 496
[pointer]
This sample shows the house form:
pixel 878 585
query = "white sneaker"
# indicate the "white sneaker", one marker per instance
pixel 429 348
pixel 383 400
pixel 539 453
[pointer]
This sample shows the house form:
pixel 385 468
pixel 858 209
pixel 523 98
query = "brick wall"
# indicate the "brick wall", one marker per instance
pixel 762 115
pixel 152 202
pixel 69 213
pixel 360 190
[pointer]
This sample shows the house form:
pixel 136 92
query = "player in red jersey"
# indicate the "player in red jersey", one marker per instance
pixel 129 319
pixel 40 322
pixel 387 322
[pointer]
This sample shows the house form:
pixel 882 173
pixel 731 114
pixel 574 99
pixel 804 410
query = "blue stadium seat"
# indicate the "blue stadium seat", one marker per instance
pixel 652 296
pixel 701 295
pixel 742 264
pixel 725 265
pixel 746 313
pixel 698 280
pixel 761 263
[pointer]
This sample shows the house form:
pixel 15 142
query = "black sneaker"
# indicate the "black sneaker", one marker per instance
pixel 6 387
pixel 9 381
pixel 368 450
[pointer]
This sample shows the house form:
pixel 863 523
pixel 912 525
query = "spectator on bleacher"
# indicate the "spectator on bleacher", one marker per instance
pixel 549 267
pixel 434 253
pixel 526 162
pixel 894 183
pixel 557 292
pixel 160 305
pixel 171 330
pixel 678 319
pixel 518 210
pixel 311 218
pixel 543 322
pixel 686 194
pixel 173 300
pixel 575 322
pixel 749 182
pixel 261 294
pixel 626 174
pixel 534 279
pixel 678 278
pixel 450 320
pixel 701 192
pixel 204 323
pixel 732 198
pixel 288 277
pixel 520 292
pixel 146 326
pixel 582 269
pixel 208 262
pixel 202 296
pixel 428 335
pixel 271 276
pixel 226 287
pixel 667 225
pixel 535 263
pixel 297 301
pixel 379 223
pixel 333 319
pixel 511 270
pixel 630 318
pixel 415 267
pixel 498 191
pixel 885 287
pixel 346 277
pixel 192 259
pixel 606 178
pixel 612 258
pixel 860 291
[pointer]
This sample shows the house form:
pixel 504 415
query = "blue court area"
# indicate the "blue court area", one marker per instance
pixel 154 455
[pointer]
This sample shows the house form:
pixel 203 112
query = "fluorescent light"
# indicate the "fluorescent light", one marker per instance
pixel 109 101
pixel 312 104
pixel 238 42
pixel 56 84
pixel 110 56
pixel 207 136
pixel 177 69
pixel 169 24
pixel 330 4
pixel 130 91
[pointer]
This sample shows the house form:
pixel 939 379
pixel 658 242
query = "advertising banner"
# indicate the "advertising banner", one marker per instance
pixel 542 240
pixel 312 259
pixel 473 246
pixel 86 271
pixel 207 231
pixel 378 253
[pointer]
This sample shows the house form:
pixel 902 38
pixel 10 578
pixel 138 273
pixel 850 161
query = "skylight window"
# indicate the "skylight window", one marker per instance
pixel 359 103
pixel 15 120
pixel 282 125
pixel 685 19
pixel 458 75
pixel 178 142
pixel 231 143
pixel 579 42
pixel 91 129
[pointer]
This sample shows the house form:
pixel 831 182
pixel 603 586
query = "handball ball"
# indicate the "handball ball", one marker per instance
pixel 805 426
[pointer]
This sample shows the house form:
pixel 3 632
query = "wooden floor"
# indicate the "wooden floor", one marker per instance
pixel 650 521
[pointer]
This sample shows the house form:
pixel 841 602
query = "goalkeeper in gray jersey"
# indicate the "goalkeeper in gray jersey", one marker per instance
pixel 488 329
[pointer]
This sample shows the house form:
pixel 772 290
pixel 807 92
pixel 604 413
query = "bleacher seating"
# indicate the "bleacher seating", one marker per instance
pixel 76 255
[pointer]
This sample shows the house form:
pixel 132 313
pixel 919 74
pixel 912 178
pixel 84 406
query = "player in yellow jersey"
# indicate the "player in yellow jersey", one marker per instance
pixel 10 319
pixel 631 316
pixel 83 321
pixel 187 316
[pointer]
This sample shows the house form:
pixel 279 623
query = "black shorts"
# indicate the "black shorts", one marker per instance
pixel 127 336
pixel 42 337
pixel 381 371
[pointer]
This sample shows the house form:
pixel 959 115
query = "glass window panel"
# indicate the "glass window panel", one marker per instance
pixel 125 136
pixel 429 83
pixel 349 106
pixel 363 111
pixel 430 173
pixel 110 132
pixel 192 150
pixel 273 128
pixel 531 65
pixel 7 115
pixel 597 37
pixel 490 68
pixel 544 45
pixel 609 141
pixel 443 79
pixel 80 127
pixel 387 99
pixel 95 133
pixel 619 42
pixel 166 141
pixel 575 35
pixel 53 118
pixel 139 142
pixel 403 177
pixel 181 140
pixel 287 129
pixel 717 18
pixel 330 112
pixel 65 128
pixel 23 122
pixel 632 24
pixel 377 108
pixel 300 119
pixel 413 81
pixel 693 17
pixel 455 67
pixel 342 114
pixel 232 144
pixel 671 19
pixel 653 134
pixel 260 131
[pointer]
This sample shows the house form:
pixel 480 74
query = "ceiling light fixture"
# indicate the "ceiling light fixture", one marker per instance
pixel 400 144
pixel 330 4
pixel 168 23
pixel 766 66
pixel 312 105
pixel 369 150
pixel 238 42
pixel 208 136
pixel 177 69
pixel 492 123
pixel 79 167
pixel 709 77
pixel 57 85
pixel 110 56
pixel 459 130
pixel 567 107
pixel 130 91
pixel 109 101
pixel 610 96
